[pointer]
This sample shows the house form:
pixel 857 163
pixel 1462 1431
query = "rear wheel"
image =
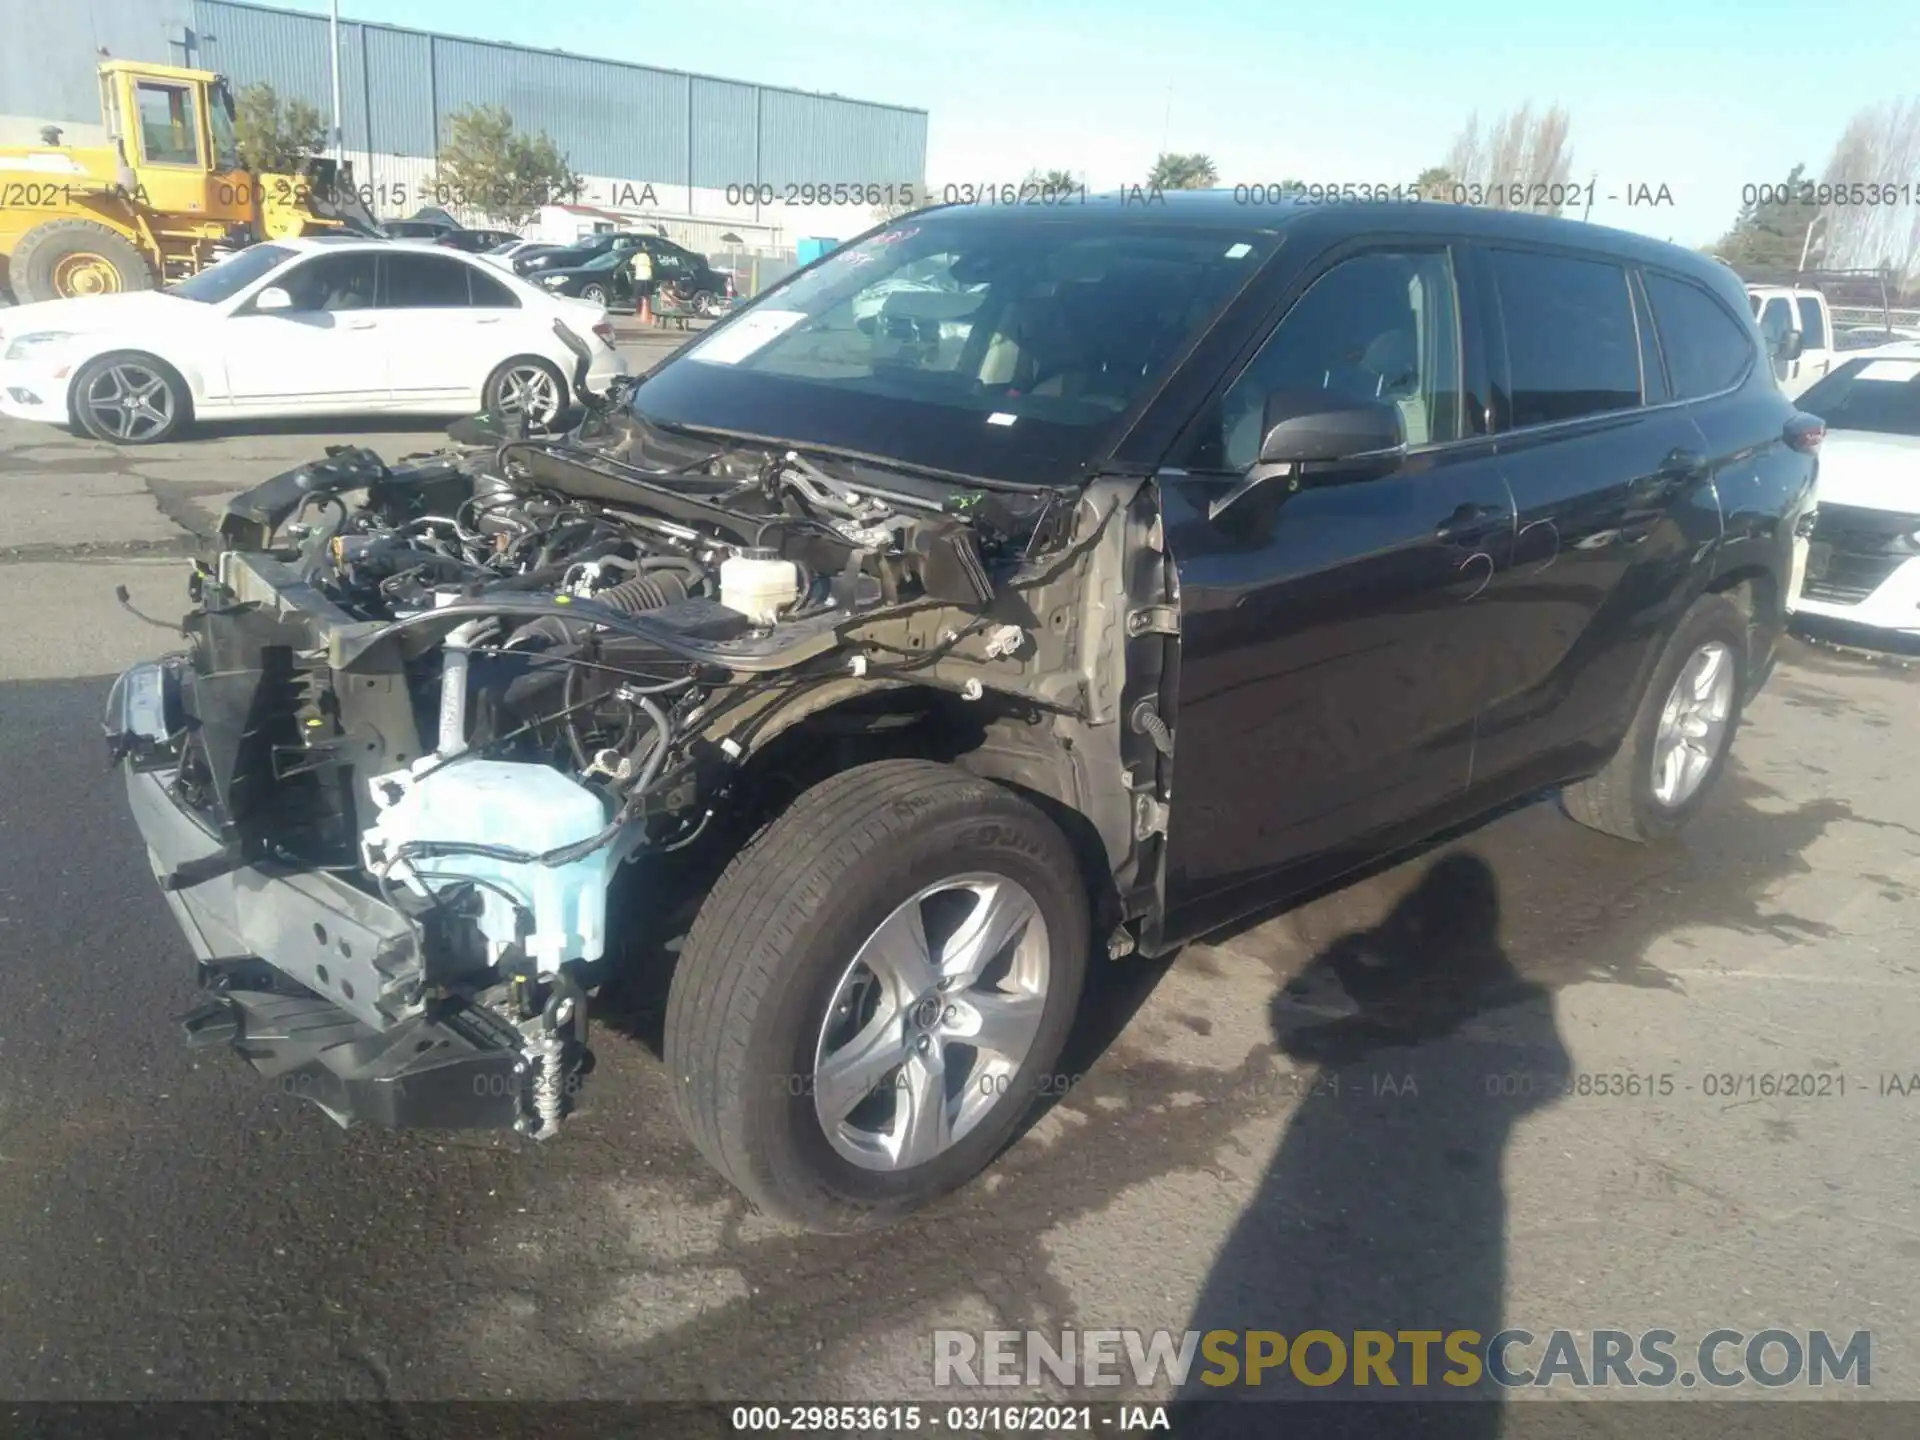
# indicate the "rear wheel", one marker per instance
pixel 527 385
pixel 1681 734
pixel 63 259
pixel 703 302
pixel 130 398
pixel 873 992
pixel 596 293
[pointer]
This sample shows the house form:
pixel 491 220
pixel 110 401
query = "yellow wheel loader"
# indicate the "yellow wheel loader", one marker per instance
pixel 166 195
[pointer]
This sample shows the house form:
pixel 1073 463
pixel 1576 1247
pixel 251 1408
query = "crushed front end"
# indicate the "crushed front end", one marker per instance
pixel 424 713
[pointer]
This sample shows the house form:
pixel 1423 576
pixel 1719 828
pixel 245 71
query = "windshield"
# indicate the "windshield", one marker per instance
pixel 1866 394
pixel 504 246
pixel 607 261
pixel 226 149
pixel 1004 346
pixel 232 275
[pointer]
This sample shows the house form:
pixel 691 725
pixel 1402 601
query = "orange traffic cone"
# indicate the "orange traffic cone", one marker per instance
pixel 646 311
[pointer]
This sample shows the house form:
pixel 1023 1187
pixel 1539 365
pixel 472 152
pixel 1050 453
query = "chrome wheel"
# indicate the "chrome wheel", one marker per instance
pixel 1693 724
pixel 595 294
pixel 129 401
pixel 531 391
pixel 931 1021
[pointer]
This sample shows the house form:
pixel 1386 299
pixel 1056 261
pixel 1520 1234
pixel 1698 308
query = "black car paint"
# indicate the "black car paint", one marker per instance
pixel 1356 669
pixel 687 272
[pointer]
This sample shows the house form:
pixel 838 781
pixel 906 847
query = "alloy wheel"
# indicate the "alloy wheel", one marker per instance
pixel 931 1021
pixel 530 391
pixel 1693 724
pixel 129 401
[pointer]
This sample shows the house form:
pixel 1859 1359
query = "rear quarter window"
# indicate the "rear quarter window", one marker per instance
pixel 1572 347
pixel 1707 350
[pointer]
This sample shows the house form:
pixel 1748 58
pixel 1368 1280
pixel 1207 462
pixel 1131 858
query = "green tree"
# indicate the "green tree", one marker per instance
pixel 1769 231
pixel 1055 180
pixel 486 165
pixel 275 135
pixel 1435 183
pixel 1183 172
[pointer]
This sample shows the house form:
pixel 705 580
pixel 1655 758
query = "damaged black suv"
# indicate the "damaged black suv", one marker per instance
pixel 1006 591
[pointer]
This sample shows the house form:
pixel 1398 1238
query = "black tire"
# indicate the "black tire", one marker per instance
pixel 493 395
pixel 595 293
pixel 774 936
pixel 702 303
pixel 1620 799
pixel 93 421
pixel 36 260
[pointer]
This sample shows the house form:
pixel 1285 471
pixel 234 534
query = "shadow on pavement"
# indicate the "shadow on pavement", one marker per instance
pixel 1383 1209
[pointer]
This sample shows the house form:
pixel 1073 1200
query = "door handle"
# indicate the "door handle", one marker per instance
pixel 1468 523
pixel 486 320
pixel 359 322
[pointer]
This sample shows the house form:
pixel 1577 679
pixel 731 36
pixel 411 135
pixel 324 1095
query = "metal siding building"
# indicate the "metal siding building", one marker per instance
pixel 617 122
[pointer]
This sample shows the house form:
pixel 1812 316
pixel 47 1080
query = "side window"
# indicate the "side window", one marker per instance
pixel 332 282
pixel 489 293
pixel 1813 330
pixel 422 282
pixel 1707 349
pixel 169 128
pixel 1572 349
pixel 1775 321
pixel 1378 327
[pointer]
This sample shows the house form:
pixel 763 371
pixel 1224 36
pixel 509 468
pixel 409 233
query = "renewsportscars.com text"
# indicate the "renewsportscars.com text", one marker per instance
pixel 1403 1359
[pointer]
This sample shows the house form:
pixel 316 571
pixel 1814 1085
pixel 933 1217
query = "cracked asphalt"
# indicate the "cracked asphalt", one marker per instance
pixel 1365 1111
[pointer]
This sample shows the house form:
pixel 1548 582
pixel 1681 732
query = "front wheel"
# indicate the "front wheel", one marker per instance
pixel 875 992
pixel 596 293
pixel 1681 734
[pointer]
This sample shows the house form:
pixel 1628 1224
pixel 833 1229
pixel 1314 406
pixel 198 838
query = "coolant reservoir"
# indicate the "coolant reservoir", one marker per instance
pixel 527 808
pixel 759 584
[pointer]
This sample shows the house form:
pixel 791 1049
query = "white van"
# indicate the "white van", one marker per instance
pixel 1783 312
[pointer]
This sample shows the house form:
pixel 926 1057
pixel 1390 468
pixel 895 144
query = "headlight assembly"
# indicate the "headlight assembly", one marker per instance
pixel 27 346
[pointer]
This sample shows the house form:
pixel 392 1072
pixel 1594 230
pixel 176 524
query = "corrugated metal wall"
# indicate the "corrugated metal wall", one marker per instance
pixel 48 54
pixel 612 119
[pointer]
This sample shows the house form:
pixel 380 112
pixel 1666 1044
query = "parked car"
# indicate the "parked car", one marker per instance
pixel 313 326
pixel 905 680
pixel 1863 568
pixel 680 274
pixel 1798 327
pixel 475 242
pixel 606 279
pixel 505 253
pixel 565 257
pixel 417 228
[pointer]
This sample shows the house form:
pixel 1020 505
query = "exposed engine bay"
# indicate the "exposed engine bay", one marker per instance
pixel 477 683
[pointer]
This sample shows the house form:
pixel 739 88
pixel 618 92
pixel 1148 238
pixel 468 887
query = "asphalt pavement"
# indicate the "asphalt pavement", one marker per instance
pixel 1361 1110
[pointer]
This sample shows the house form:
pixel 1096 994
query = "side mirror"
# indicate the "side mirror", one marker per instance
pixel 1302 430
pixel 1791 344
pixel 273 298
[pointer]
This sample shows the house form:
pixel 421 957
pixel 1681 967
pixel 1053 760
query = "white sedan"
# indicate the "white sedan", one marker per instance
pixel 314 326
pixel 1863 566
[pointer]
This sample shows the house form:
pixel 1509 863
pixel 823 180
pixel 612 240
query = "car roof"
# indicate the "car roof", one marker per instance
pixel 1231 211
pixel 1898 350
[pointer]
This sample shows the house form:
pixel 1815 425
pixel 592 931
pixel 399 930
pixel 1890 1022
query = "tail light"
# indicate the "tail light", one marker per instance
pixel 1804 432
pixel 605 331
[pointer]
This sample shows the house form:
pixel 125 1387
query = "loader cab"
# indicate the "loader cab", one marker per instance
pixel 174 132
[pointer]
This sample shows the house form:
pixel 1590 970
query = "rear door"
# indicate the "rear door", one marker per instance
pixel 1331 636
pixel 441 343
pixel 327 351
pixel 1599 463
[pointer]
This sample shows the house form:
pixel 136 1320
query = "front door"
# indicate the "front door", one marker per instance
pixel 326 351
pixel 1331 635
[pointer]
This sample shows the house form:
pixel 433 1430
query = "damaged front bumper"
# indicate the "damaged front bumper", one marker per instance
pixel 312 980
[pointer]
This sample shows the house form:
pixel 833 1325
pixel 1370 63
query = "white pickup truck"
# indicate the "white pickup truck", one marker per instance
pixel 1798 326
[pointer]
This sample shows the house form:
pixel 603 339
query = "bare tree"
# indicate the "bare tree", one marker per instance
pixel 1521 162
pixel 1861 224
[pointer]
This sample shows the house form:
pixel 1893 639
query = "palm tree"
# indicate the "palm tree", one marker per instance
pixel 1059 180
pixel 1183 172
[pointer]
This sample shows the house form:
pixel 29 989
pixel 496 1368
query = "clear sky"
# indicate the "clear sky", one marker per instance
pixel 1701 96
